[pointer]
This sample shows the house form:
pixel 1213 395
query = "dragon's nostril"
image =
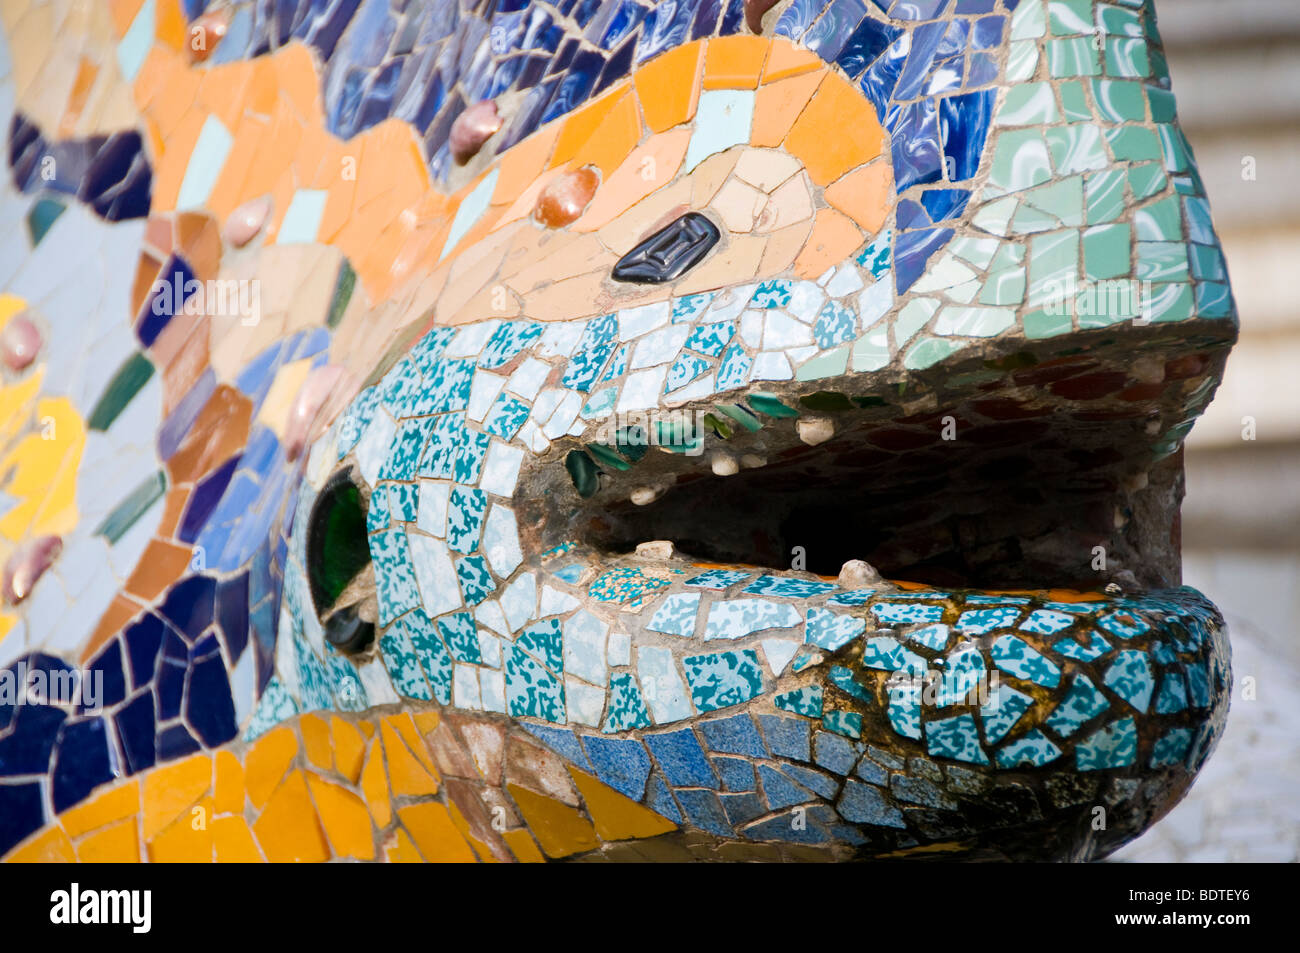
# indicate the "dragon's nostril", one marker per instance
pixel 338 557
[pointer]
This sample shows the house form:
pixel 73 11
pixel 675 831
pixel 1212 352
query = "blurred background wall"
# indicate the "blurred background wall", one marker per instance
pixel 1236 72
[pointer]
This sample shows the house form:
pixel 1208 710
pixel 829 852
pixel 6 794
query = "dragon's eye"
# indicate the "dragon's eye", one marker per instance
pixel 338 565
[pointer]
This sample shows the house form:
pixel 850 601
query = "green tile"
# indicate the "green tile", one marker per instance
pixel 1040 324
pixel 1207 262
pixel 42 215
pixel 1146 180
pixel 930 351
pixel 1053 264
pixel 1134 144
pixel 1030 220
pixel 1022 61
pixel 1069 17
pixel 1126 58
pixel 1101 304
pixel 1160 221
pixel 1159 66
pixel 974 322
pixel 1170 302
pixel 1076 148
pixel 1004 287
pixel 1063 199
pixel 1010 254
pixel 1031 104
pixel 1074 102
pixel 1162 261
pixel 1029 21
pixel 1119 100
pixel 137 503
pixel 871 351
pixel 126 383
pixel 912 318
pixel 1107 251
pixel 343 287
pixel 1076 57
pixel 1105 195
pixel 770 405
pixel 995 217
pixel 1020 161
pixel 1213 300
pixel 824 365
pixel 978 251
pixel 1174 149
pixel 1118 22
pixel 1162 103
pixel 743 416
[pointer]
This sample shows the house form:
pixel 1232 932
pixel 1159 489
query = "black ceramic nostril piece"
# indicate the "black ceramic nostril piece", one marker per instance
pixel 348 632
pixel 670 252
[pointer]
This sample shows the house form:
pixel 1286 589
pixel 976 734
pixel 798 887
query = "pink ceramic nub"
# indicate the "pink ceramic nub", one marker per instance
pixel 565 199
pixel 246 221
pixel 475 126
pixel 302 426
pixel 20 341
pixel 27 564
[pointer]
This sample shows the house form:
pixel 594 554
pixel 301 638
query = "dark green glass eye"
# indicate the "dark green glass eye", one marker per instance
pixel 337 553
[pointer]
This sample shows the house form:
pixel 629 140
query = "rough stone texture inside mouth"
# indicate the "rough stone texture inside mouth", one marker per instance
pixel 1023 469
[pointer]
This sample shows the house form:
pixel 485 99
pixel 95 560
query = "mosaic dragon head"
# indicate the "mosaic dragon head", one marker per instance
pixel 657 430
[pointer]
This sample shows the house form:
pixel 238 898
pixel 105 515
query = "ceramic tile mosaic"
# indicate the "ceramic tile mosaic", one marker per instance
pixel 361 359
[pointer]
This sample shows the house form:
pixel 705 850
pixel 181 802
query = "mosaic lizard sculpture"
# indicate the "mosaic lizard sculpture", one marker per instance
pixel 458 431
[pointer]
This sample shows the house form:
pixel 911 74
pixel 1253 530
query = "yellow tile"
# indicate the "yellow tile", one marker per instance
pixel 234 842
pixel 406 727
pixel 112 805
pixel 288 830
pixel 786 60
pixel 426 721
pixel 434 833
pixel 51 846
pixel 559 829
pixel 836 132
pixel 267 761
pixel 316 741
pixel 229 795
pixel 344 816
pixel 523 847
pixel 116 844
pixel 734 62
pixel 403 851
pixel 187 840
pixel 616 816
pixel 405 772
pixel 349 748
pixel 171 789
pixel 669 86
pixel 374 785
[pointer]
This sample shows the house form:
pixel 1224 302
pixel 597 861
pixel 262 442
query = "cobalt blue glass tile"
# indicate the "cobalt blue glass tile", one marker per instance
pixel 926 40
pixel 787 737
pixel 982 6
pixel 82 762
pixel 868 41
pixel 703 810
pixel 104 682
pixel 742 808
pixel 797 18
pixel 944 203
pixel 682 759
pixel 169 686
pixel 175 742
pixel 26 750
pixel 878 82
pixel 135 730
pixel 621 763
pixel 166 299
pixel 828 36
pixel 913 249
pixel 208 706
pixel 143 638
pixel 666 27
pixel 964 122
pixel 735 735
pixel 983 69
pixel 576 84
pixel 562 741
pixel 917 9
pixel 189 605
pixel 737 774
pixel 232 614
pixel 706 18
pixel 914 134
pixel 910 214
pixel 203 500
pixel 732 17
pixel 619 65
pixel 21 812
pixel 780 790
pixel 987 33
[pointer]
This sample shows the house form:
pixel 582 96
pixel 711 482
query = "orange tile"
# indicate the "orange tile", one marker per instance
pixel 81 85
pixel 186 840
pixel 559 829
pixel 581 124
pixel 123 13
pixel 374 785
pixel 288 829
pixel 171 789
pixel 434 833
pixel 866 194
pixel 616 816
pixel 523 847
pixel 112 805
pixel 734 62
pixel 669 86
pixel 316 741
pixel 171 165
pixel 51 846
pixel 517 169
pixel 344 816
pixel 233 841
pixel 349 748
pixel 298 82
pixel 405 726
pixel 836 132
pixel 618 136
pixel 834 237
pixel 169 24
pixel 406 774
pixel 426 721
pixel 117 844
pixel 231 188
pixel 267 761
pixel 228 797
pixel 119 612
pixel 402 850
pixel 786 60
pixel 223 92
pixel 777 105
